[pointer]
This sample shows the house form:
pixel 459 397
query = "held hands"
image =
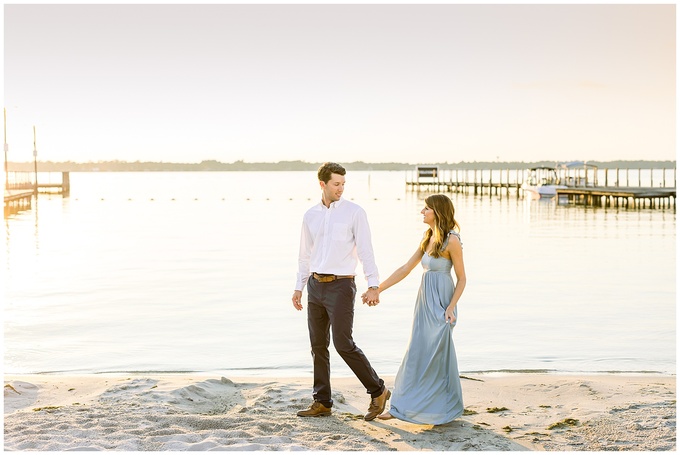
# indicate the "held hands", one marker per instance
pixel 371 297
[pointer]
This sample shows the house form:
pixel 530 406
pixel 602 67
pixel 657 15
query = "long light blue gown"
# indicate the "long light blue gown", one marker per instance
pixel 427 386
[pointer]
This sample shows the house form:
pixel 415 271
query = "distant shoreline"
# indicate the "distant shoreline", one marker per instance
pixel 239 166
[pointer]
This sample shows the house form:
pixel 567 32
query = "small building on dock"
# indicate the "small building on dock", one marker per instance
pixel 427 173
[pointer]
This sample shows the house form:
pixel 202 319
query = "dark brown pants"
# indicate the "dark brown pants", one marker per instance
pixel 330 309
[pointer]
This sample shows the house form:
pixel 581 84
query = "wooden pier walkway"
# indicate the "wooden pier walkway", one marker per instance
pixel 507 181
pixel 627 197
pixel 466 180
pixel 22 188
pixel 17 200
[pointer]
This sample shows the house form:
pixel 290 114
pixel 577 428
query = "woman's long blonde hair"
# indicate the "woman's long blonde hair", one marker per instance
pixel 444 221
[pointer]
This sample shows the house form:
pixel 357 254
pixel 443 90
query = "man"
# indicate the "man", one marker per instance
pixel 335 234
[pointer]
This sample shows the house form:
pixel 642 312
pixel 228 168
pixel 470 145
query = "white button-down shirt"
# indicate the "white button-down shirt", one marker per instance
pixel 333 239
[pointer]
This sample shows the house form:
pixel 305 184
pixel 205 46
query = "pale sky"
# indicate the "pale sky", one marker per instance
pixel 348 82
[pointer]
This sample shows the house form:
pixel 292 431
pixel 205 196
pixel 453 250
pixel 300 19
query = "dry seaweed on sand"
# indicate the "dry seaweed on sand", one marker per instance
pixel 495 410
pixel 568 422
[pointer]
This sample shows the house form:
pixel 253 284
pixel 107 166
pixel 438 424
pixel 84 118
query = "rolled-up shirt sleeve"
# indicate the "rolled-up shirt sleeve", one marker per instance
pixel 362 233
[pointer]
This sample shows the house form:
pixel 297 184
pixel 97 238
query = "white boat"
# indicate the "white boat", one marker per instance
pixel 542 182
pixel 577 174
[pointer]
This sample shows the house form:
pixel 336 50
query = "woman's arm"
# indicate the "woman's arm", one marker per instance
pixel 455 251
pixel 402 272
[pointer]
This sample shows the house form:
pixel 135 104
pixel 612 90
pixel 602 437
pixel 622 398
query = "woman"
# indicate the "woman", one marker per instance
pixel 427 386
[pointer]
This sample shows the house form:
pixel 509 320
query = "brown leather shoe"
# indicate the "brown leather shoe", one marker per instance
pixel 315 410
pixel 377 405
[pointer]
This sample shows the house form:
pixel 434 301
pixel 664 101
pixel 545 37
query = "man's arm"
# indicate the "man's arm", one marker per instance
pixel 362 237
pixel 304 254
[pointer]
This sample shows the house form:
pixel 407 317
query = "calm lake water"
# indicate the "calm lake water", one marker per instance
pixel 174 272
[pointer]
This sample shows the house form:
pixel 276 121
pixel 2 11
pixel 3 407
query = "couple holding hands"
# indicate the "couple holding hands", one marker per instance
pixel 335 236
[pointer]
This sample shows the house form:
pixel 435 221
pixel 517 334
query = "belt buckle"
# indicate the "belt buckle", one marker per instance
pixel 325 279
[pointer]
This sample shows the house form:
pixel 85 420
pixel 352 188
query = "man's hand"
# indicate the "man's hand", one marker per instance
pixel 297 300
pixel 371 297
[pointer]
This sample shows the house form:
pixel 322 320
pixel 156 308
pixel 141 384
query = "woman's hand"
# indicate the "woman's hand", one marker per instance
pixel 450 316
pixel 371 297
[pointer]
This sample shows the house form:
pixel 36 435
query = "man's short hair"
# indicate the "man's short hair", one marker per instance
pixel 327 169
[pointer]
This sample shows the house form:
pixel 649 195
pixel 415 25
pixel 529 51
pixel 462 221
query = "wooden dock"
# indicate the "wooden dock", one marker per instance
pixel 510 181
pixel 26 181
pixel 18 200
pixel 22 188
pixel 627 197
pixel 475 181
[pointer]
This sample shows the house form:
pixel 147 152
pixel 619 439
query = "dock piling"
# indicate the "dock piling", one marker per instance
pixel 476 181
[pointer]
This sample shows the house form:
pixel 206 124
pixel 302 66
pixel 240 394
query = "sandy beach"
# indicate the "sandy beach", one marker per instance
pixel 198 412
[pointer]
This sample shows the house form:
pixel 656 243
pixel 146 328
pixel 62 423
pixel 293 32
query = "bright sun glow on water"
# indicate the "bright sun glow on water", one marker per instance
pixel 195 271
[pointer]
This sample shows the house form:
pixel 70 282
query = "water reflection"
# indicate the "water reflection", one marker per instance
pixel 101 276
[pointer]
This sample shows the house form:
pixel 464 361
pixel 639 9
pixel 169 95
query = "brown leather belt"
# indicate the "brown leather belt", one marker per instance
pixel 322 278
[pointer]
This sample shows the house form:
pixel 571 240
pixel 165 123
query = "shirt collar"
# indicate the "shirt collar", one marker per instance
pixel 333 204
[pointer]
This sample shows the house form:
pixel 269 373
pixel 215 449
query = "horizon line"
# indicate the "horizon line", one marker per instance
pixel 643 160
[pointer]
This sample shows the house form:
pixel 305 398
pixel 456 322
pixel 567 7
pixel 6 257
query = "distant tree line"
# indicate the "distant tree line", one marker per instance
pixel 213 165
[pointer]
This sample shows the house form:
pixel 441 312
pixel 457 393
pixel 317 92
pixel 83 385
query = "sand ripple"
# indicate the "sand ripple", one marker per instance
pixel 53 413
